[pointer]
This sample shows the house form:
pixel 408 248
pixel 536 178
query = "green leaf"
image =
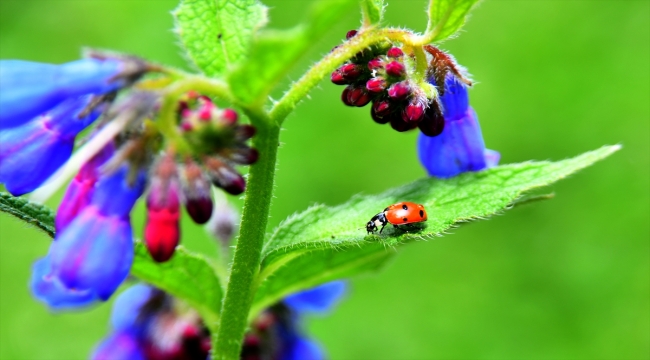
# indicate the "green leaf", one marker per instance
pixel 217 33
pixel 326 243
pixel 31 213
pixel 274 52
pixel 187 276
pixel 372 11
pixel 446 17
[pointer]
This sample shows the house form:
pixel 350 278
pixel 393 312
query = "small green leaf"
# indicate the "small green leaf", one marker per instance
pixel 446 17
pixel 187 276
pixel 326 243
pixel 217 33
pixel 372 11
pixel 274 52
pixel 31 213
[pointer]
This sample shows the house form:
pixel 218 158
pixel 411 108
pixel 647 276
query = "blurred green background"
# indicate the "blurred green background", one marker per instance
pixel 562 279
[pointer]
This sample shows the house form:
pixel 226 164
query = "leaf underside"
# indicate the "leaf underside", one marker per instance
pixel 372 11
pixel 326 243
pixel 31 213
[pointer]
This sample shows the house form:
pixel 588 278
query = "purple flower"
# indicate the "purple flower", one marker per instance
pixel 95 251
pixel 460 148
pixel 119 346
pixel 28 89
pixel 31 153
pixel 80 190
pixel 51 290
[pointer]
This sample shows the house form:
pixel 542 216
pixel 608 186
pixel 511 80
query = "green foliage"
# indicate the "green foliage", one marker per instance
pixel 274 52
pixel 325 243
pixel 31 213
pixel 216 34
pixel 446 17
pixel 372 11
pixel 186 276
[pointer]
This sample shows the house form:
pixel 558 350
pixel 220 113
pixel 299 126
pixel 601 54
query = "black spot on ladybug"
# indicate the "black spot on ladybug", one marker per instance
pixel 405 207
pixel 421 213
pixel 405 219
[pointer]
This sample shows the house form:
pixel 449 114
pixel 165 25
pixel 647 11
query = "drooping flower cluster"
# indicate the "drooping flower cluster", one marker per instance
pixel 44 107
pixel 450 141
pixel 148 324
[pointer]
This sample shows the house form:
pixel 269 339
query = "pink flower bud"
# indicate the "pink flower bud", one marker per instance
pixel 338 78
pixel 244 132
pixel 413 112
pixel 243 155
pixel 376 85
pixel 350 34
pixel 229 116
pixel 357 96
pixel 350 72
pixel 395 52
pixel 400 125
pixel 399 91
pixel 395 68
pixel 380 112
pixel 375 64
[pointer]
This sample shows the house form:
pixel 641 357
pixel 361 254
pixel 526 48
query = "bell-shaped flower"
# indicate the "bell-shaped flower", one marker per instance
pixel 460 147
pixel 53 292
pixel 28 89
pixel 81 188
pixel 317 300
pixel 94 252
pixel 31 153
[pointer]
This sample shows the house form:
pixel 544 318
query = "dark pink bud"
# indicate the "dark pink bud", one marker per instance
pixel 229 116
pixel 395 68
pixel 376 85
pixel 413 112
pixel 399 91
pixel 350 72
pixel 375 64
pixel 243 155
pixel 197 196
pixel 395 52
pixel 244 132
pixel 205 113
pixel 358 96
pixel 225 177
pixel 337 78
pixel 432 123
pixel 345 94
pixel 380 112
pixel 186 125
pixel 350 34
pixel 400 125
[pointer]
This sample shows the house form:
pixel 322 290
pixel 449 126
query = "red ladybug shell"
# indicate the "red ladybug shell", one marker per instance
pixel 405 213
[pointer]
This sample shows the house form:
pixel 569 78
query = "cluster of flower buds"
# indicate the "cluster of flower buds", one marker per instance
pixel 150 324
pixel 381 75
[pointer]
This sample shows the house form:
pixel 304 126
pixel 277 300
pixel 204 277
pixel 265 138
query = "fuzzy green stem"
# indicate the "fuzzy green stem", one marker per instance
pixel 245 267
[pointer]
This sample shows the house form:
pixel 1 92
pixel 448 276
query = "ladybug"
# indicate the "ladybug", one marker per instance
pixel 397 214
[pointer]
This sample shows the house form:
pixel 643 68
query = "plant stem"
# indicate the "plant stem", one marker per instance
pixel 227 343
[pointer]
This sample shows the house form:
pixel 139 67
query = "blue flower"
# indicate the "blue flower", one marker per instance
pixel 29 89
pixel 460 148
pixel 31 153
pixel 49 289
pixel 95 251
pixel 317 300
